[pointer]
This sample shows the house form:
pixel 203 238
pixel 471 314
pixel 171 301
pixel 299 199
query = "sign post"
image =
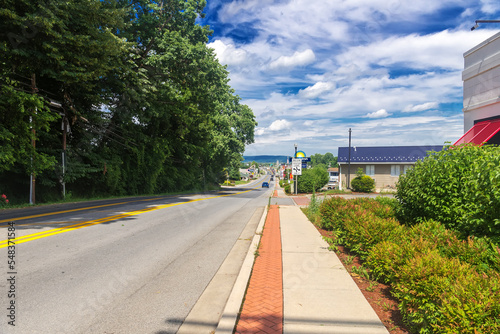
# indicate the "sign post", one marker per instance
pixel 296 170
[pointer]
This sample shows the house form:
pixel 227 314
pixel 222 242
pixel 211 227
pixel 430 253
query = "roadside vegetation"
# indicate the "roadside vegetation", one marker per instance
pixel 143 103
pixel 446 277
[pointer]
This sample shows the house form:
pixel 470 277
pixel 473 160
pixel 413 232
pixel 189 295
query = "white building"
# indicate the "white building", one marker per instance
pixel 481 77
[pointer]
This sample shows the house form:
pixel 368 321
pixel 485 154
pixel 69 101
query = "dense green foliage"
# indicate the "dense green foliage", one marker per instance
pixel 363 184
pixel 148 105
pixel 459 187
pixel 326 159
pixel 312 179
pixel 444 284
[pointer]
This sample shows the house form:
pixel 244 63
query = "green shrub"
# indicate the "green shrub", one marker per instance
pixel 364 184
pixel 472 305
pixel 367 230
pixel 287 189
pixel 333 212
pixel 459 187
pixel 440 295
pixel 312 179
pixel 375 206
pixel 389 202
pixel 444 284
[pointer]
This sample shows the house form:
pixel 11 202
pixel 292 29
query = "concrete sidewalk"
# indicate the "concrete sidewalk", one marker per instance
pixel 319 295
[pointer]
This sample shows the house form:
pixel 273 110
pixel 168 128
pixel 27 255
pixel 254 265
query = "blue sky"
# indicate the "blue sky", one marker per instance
pixel 311 69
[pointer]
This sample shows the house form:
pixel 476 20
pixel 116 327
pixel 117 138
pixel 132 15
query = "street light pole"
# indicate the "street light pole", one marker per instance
pixel 349 163
pixel 483 21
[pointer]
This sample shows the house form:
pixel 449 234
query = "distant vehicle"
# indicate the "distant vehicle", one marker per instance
pixel 265 184
pixel 272 178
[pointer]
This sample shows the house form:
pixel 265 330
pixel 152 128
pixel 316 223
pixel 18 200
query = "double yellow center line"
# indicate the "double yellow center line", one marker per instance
pixel 34 236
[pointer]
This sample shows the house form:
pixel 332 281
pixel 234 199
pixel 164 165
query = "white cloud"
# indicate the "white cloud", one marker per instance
pixel 421 107
pixel 490 6
pixel 279 125
pixel 443 49
pixel 316 90
pixel 311 72
pixel 228 54
pixel 259 131
pixel 297 59
pixel 378 114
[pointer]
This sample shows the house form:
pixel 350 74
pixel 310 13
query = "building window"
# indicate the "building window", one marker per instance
pixel 395 170
pixel 406 168
pixel 370 170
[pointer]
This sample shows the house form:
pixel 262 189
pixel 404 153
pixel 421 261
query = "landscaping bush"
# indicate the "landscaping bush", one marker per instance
pixel 360 223
pixel 459 187
pixel 444 284
pixel 313 179
pixel 440 295
pixel 334 212
pixel 388 257
pixel 287 189
pixel 367 230
pixel 363 184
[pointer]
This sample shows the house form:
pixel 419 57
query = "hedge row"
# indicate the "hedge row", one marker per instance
pixel 444 284
pixel 458 186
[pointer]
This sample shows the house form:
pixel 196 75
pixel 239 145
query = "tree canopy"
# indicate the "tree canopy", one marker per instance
pixel 148 107
pixel 326 159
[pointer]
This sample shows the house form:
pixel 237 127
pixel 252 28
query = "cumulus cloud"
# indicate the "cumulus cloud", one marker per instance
pixel 490 6
pixel 421 107
pixel 329 67
pixel 228 54
pixel 378 114
pixel 297 59
pixel 316 90
pixel 279 125
pixel 424 52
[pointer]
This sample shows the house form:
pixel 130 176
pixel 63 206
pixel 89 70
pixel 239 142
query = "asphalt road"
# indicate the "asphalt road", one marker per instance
pixel 135 265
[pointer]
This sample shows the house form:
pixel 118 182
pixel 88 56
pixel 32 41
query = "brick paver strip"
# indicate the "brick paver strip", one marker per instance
pixel 302 200
pixel 262 310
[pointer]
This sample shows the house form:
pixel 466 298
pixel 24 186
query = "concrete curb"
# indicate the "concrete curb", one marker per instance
pixel 229 316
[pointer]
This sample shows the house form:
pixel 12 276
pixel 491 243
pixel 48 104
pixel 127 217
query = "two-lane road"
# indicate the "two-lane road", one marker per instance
pixel 127 266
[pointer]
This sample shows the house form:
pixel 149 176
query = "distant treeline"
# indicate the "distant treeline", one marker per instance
pixel 142 102
pixel 326 159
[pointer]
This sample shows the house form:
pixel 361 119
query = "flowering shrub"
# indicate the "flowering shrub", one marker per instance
pixel 3 201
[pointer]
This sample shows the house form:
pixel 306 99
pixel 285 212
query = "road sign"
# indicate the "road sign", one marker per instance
pixel 307 159
pixel 296 166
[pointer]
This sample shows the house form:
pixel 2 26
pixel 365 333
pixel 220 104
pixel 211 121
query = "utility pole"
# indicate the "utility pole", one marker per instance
pixel 34 90
pixel 349 163
pixel 65 130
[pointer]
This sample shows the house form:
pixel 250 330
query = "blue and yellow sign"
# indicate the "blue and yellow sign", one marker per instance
pixel 300 154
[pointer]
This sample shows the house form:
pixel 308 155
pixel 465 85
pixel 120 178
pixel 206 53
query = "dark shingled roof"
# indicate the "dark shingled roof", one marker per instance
pixel 386 153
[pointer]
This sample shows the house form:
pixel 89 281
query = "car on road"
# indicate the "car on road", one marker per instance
pixel 265 184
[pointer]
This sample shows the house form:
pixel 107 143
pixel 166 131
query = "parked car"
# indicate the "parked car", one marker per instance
pixel 265 184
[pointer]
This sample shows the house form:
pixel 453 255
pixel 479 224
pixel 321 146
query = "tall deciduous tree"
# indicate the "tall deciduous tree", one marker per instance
pixel 149 106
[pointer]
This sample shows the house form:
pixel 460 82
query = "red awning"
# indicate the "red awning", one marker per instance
pixel 480 133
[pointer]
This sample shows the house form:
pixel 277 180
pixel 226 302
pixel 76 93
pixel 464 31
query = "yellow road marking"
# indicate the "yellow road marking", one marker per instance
pixel 34 236
pixel 57 212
